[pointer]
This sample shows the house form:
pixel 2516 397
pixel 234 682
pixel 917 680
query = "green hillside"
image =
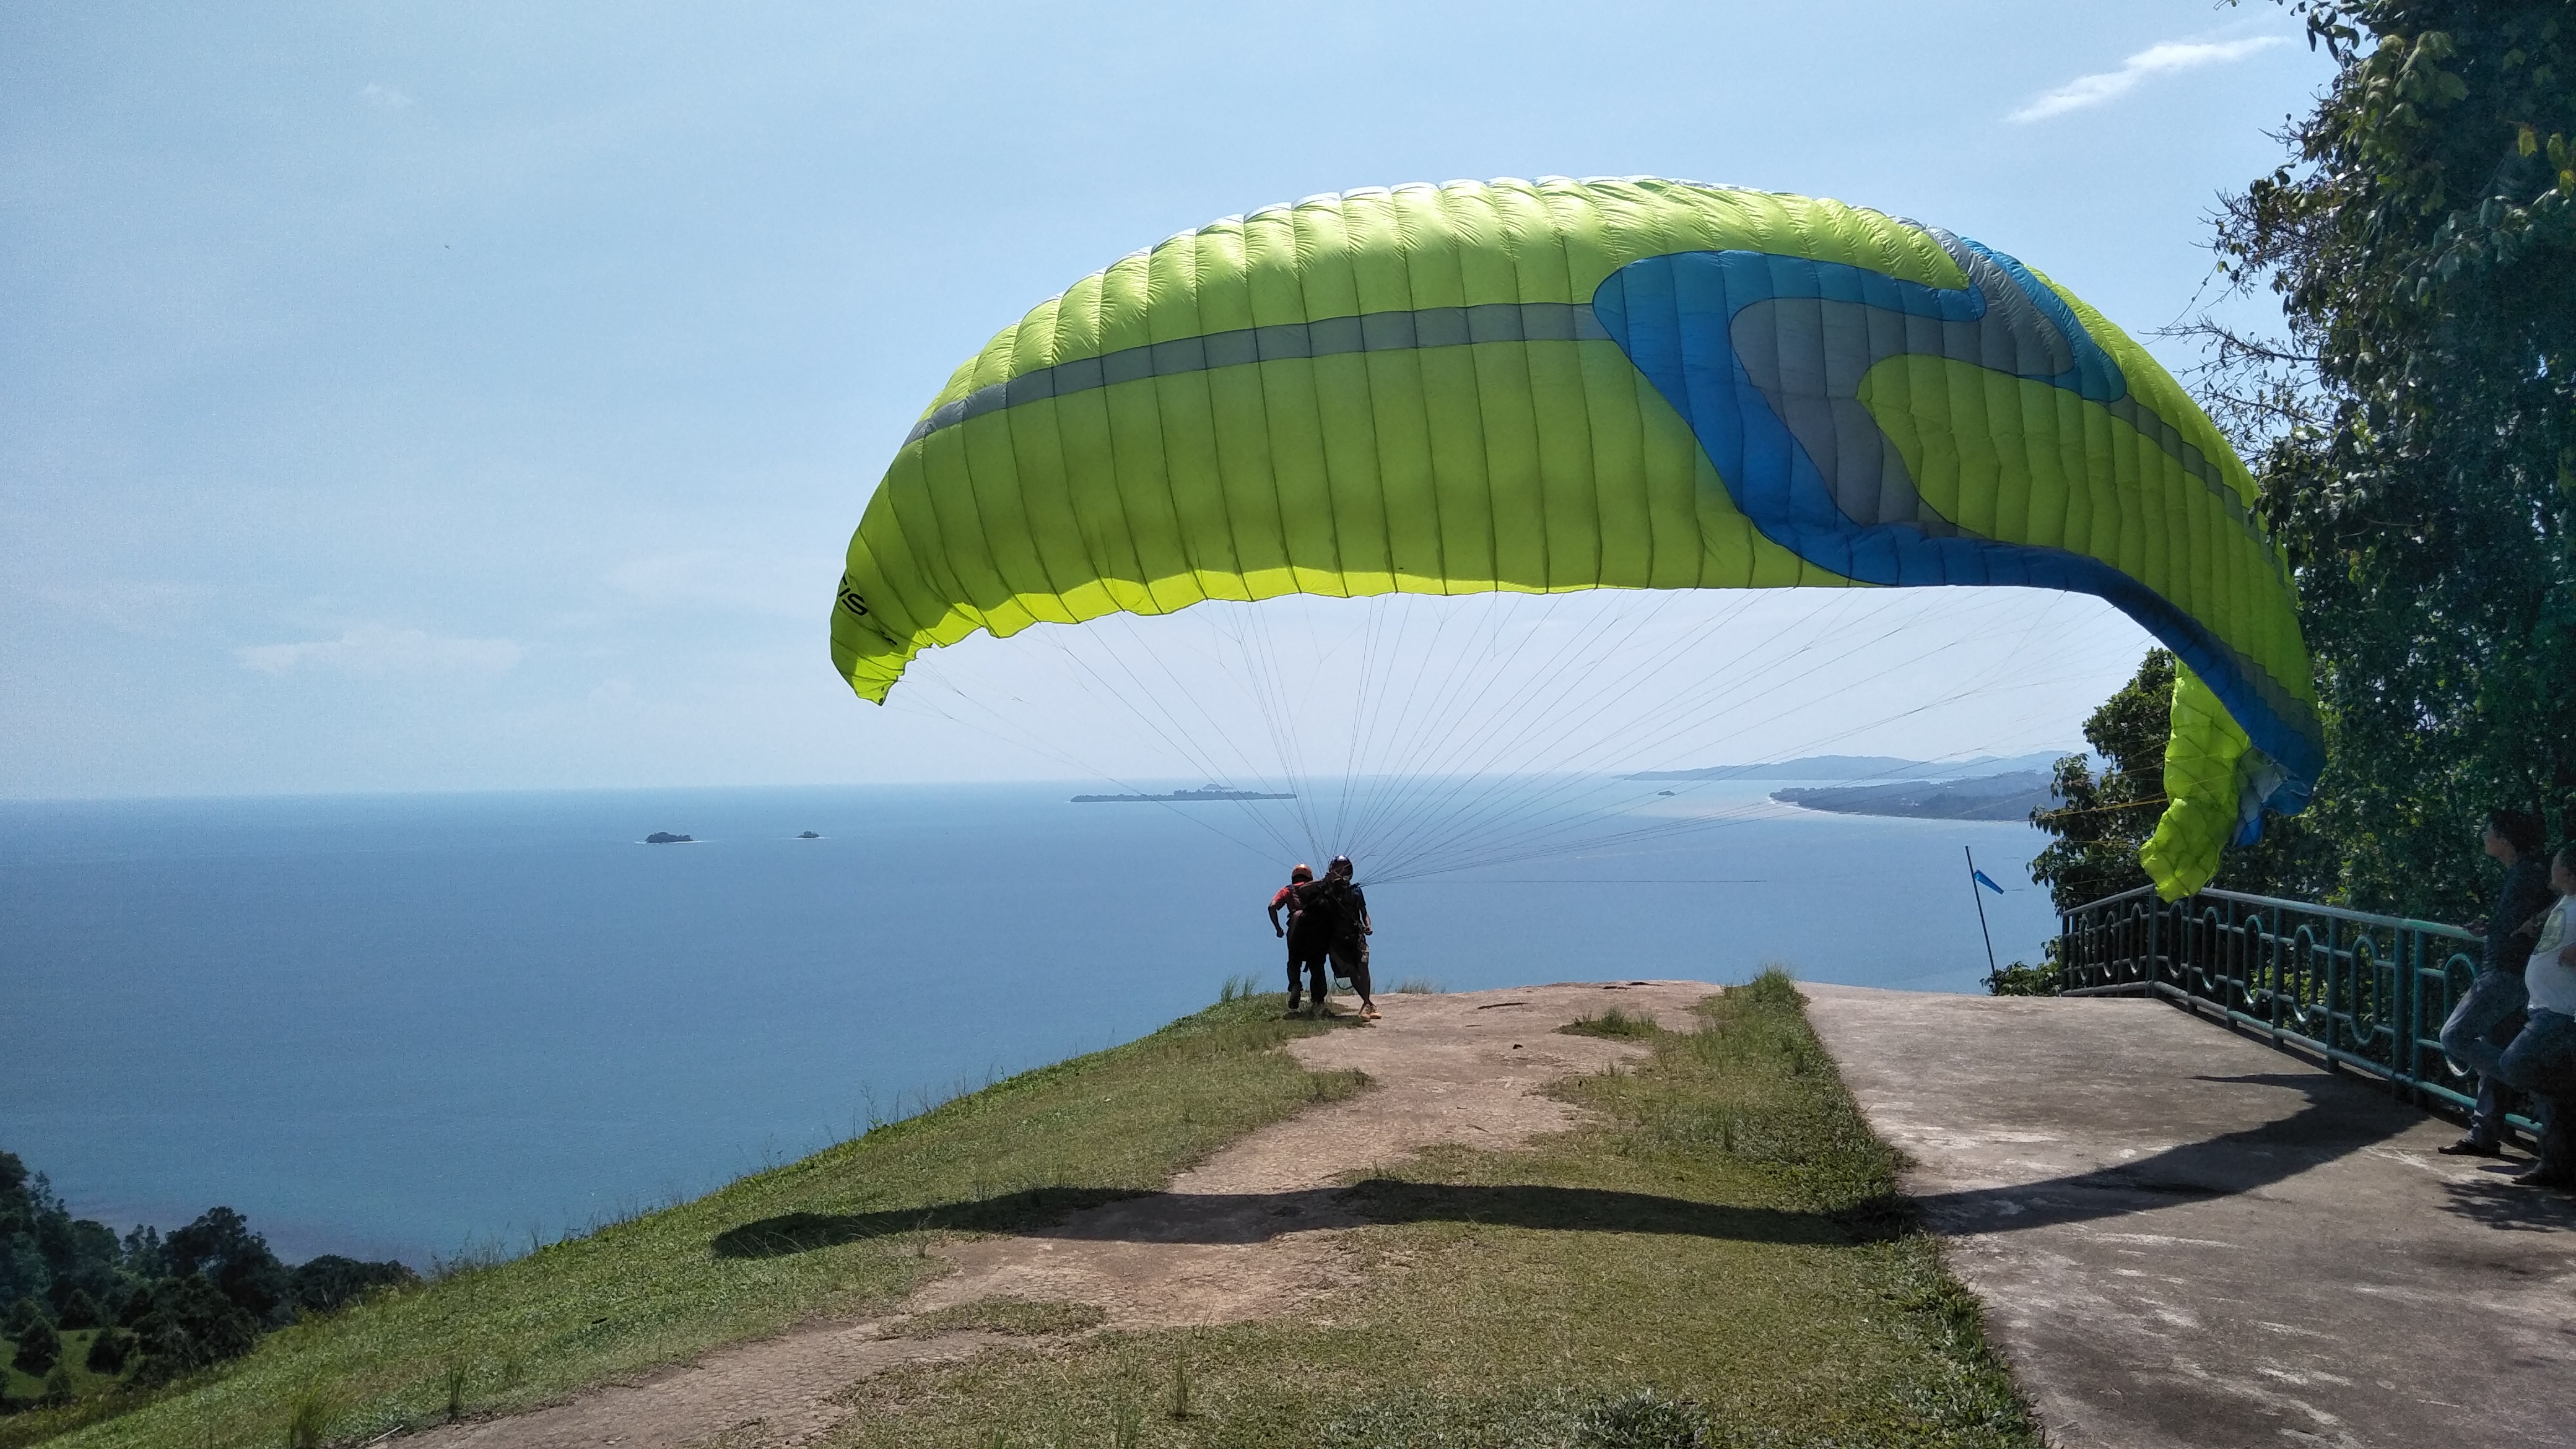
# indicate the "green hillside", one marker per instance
pixel 1713 1259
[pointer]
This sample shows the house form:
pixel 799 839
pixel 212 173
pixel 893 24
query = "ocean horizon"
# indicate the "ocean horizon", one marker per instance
pixel 440 1025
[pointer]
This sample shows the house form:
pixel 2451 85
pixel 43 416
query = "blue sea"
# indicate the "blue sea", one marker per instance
pixel 430 1025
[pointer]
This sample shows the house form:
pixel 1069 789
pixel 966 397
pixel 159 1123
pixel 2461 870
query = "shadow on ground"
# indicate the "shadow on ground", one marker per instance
pixel 1011 1212
pixel 1240 1218
pixel 2494 1199
pixel 2340 1117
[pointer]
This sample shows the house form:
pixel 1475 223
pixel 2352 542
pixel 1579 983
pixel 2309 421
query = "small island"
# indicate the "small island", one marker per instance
pixel 809 835
pixel 664 837
pixel 1182 797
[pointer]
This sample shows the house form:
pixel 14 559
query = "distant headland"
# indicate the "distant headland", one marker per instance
pixel 1983 787
pixel 1980 797
pixel 1865 767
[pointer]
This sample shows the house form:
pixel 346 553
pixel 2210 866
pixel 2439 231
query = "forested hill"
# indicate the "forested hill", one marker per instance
pixel 1867 767
pixel 86 1313
pixel 1990 797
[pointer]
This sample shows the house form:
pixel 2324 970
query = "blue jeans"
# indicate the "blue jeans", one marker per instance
pixel 2475 1037
pixel 2542 1061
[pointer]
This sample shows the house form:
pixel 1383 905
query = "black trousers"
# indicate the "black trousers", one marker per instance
pixel 1307 961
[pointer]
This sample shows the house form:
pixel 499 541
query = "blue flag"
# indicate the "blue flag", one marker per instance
pixel 1987 881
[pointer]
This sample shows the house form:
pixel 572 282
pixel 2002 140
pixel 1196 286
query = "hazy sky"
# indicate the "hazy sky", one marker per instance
pixel 463 395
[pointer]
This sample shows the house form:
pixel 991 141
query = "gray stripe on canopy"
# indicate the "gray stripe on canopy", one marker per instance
pixel 1332 337
pixel 1808 356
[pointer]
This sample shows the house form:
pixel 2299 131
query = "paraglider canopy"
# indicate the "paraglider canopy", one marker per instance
pixel 1565 385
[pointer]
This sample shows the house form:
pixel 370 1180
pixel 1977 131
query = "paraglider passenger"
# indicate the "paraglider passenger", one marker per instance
pixel 2542 1059
pixel 2489 1016
pixel 1287 899
pixel 1350 948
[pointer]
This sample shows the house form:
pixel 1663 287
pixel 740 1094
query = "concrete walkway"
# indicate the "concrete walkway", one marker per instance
pixel 2185 1237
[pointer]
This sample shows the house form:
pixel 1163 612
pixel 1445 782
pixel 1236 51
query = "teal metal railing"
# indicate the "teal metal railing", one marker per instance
pixel 2368 992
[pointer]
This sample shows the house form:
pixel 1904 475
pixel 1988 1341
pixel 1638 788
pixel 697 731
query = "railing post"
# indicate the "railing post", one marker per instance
pixel 2401 1055
pixel 2334 951
pixel 2149 971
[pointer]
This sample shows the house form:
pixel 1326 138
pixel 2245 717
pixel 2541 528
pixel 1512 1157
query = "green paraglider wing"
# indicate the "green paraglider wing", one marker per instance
pixel 1591 384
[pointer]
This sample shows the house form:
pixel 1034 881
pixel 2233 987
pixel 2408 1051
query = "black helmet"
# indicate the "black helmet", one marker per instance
pixel 1341 866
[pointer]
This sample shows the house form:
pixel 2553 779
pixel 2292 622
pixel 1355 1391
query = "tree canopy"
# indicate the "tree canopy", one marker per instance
pixel 2104 815
pixel 163 1306
pixel 2415 431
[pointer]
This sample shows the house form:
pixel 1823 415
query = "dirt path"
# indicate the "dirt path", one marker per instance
pixel 1249 1232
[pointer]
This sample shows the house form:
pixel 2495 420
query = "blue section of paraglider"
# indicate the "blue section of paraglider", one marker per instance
pixel 1763 355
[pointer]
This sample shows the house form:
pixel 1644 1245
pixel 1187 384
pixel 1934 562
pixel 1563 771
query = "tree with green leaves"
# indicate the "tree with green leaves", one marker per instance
pixel 2102 819
pixel 2415 431
pixel 201 1295
pixel 39 1346
pixel 109 1350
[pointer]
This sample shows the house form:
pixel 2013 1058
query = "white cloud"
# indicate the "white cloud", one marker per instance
pixel 385 98
pixel 2109 85
pixel 374 651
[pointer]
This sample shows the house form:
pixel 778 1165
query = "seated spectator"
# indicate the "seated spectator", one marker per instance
pixel 2542 1058
pixel 2488 1017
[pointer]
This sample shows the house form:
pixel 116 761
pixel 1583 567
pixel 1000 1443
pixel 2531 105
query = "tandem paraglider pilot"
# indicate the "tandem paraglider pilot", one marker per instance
pixel 1286 899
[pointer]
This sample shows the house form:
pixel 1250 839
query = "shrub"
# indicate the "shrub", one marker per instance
pixel 81 1311
pixel 2023 979
pixel 39 1349
pixel 109 1351
pixel 331 1282
pixel 23 1317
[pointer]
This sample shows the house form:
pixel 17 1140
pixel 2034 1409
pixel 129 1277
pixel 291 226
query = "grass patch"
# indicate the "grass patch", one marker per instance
pixel 94 1396
pixel 1717 1259
pixel 26 1388
pixel 1030 1317
pixel 1419 986
pixel 844 1231
pixel 1614 1023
